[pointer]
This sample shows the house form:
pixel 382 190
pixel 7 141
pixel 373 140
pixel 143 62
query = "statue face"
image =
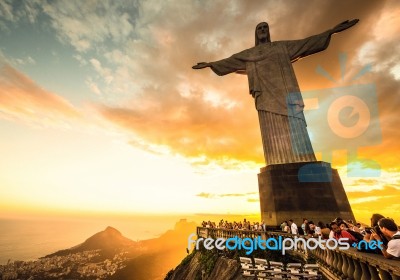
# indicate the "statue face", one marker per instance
pixel 262 31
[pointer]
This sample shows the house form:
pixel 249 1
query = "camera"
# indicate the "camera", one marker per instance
pixel 368 230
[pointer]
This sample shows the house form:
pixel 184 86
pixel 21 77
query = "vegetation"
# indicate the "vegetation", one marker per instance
pixel 184 262
pixel 208 258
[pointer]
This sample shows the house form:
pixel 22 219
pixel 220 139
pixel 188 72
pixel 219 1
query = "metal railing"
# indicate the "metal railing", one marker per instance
pixel 335 263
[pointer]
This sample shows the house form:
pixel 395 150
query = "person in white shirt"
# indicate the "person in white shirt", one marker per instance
pixel 293 227
pixel 304 226
pixel 263 227
pixel 389 229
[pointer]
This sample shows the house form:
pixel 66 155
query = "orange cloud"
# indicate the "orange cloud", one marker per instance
pixel 191 126
pixel 383 200
pixel 199 115
pixel 213 195
pixel 385 192
pixel 22 99
pixel 361 182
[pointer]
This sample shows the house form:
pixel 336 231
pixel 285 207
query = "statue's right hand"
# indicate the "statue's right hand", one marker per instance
pixel 344 25
pixel 201 65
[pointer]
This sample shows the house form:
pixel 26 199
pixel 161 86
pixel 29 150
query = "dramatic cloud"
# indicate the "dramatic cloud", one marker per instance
pixel 197 113
pixel 368 182
pixel 379 193
pixel 141 54
pixel 213 195
pixel 22 99
pixel 23 11
pixel 127 65
pixel 86 24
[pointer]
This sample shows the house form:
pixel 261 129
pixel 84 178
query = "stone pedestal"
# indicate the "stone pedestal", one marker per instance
pixel 300 190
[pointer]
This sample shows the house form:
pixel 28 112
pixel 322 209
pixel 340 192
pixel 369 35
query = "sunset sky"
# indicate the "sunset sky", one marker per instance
pixel 100 110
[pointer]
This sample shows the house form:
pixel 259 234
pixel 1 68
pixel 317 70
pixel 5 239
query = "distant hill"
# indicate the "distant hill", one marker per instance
pixel 109 241
pixel 147 259
pixel 159 255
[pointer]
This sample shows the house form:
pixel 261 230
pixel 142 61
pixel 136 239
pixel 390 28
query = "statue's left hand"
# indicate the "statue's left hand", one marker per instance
pixel 201 65
pixel 344 25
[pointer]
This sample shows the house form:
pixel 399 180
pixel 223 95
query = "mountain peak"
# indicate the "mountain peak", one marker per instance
pixel 112 230
pixel 108 241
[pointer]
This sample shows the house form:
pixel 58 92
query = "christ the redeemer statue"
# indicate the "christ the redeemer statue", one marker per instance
pixel 273 84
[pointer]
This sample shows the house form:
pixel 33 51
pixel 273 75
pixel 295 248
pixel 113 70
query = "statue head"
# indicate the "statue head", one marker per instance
pixel 262 33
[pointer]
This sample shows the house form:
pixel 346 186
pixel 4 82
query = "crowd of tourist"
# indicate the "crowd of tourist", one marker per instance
pixel 245 225
pixel 383 232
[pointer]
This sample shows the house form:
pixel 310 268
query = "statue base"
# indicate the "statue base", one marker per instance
pixel 311 190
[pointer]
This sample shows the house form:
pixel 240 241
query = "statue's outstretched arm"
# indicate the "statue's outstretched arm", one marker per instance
pixel 314 44
pixel 201 65
pixel 343 26
pixel 223 66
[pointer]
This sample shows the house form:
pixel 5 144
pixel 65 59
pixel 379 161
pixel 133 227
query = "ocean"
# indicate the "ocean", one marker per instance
pixel 30 239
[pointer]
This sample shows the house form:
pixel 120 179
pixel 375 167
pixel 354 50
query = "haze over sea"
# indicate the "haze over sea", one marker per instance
pixel 31 238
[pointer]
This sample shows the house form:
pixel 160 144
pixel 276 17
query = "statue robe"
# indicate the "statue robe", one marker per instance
pixel 273 84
